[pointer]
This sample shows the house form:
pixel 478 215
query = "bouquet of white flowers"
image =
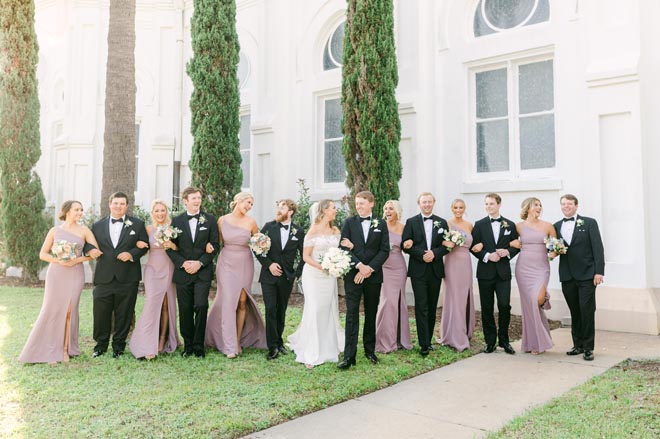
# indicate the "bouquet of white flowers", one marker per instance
pixel 64 250
pixel 259 244
pixel 336 262
pixel 454 236
pixel 555 245
pixel 165 233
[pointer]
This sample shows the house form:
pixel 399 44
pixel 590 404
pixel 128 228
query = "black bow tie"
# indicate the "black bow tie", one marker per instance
pixel 365 218
pixel 196 216
pixel 427 218
pixel 492 220
pixel 284 226
pixel 568 219
pixel 120 220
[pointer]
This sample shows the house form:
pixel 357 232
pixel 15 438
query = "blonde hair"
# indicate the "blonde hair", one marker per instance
pixel 323 204
pixel 527 204
pixel 155 203
pixel 240 197
pixel 424 194
pixel 397 208
pixel 457 200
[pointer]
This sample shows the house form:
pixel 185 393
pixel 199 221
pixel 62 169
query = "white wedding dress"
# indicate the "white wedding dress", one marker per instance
pixel 320 337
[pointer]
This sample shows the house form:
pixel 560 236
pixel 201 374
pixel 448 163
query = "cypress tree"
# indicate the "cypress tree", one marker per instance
pixel 21 212
pixel 216 156
pixel 370 122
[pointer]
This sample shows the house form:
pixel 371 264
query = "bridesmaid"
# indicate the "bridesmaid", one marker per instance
pixel 234 321
pixel 54 337
pixel 155 331
pixel 392 326
pixel 458 307
pixel 532 275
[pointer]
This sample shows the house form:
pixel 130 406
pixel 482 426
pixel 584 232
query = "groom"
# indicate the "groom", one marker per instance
pixel 368 241
pixel 277 272
pixel 494 233
pixel 193 269
pixel 117 274
pixel 581 270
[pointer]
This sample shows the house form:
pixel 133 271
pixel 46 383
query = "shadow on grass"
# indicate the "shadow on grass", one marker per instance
pixel 173 396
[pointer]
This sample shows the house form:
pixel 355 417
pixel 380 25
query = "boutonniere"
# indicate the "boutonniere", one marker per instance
pixel 128 223
pixel 294 231
pixel 202 219
pixel 436 224
pixel 505 225
pixel 374 223
pixel 579 222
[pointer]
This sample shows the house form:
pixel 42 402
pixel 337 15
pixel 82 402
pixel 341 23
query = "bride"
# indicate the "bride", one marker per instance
pixel 319 338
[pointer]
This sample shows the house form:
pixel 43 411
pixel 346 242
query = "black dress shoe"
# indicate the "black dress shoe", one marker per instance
pixel 282 350
pixel 117 354
pixel 186 354
pixel 588 355
pixel 508 348
pixel 199 353
pixel 372 357
pixel 272 354
pixel 97 354
pixel 424 352
pixel 490 348
pixel 346 363
pixel 575 351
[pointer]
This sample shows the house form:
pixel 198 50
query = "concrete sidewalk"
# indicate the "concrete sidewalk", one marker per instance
pixel 469 398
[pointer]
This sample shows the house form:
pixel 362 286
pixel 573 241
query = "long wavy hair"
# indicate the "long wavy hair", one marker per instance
pixel 157 202
pixel 320 207
pixel 527 204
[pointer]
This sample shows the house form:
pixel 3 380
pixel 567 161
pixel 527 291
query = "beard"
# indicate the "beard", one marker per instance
pixel 279 217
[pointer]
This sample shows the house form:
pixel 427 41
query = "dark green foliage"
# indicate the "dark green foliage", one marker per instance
pixel 216 157
pixel 21 211
pixel 304 202
pixel 370 124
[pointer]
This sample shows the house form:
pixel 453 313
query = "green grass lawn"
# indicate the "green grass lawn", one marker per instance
pixel 171 396
pixel 623 402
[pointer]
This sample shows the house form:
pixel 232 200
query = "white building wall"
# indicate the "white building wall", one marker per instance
pixel 606 94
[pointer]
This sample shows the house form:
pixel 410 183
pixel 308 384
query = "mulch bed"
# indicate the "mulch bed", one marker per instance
pixel 297 300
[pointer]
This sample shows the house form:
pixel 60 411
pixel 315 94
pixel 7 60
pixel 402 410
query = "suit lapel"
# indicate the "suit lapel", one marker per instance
pixel 276 237
pixel 185 226
pixel 124 230
pixel 490 232
pixel 420 220
pixel 105 228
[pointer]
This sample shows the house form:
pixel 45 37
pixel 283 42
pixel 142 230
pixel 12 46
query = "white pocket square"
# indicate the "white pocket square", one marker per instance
pixel 293 238
pixel 507 232
pixel 132 232
pixel 202 228
pixel 376 230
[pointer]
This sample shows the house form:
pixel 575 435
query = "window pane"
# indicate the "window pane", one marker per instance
pixel 333 53
pixel 537 142
pixel 535 87
pixel 491 94
pixel 335 168
pixel 493 16
pixel 245 142
pixel 332 119
pixel 493 146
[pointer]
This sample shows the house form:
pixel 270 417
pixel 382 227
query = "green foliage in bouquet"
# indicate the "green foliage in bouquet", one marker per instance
pixel 216 157
pixel 21 211
pixel 370 122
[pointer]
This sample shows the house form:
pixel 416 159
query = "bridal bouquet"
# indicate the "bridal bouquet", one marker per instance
pixel 336 262
pixel 259 244
pixel 64 250
pixel 165 233
pixel 555 245
pixel 454 236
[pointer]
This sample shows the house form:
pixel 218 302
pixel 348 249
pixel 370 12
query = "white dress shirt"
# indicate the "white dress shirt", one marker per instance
pixel 428 229
pixel 495 226
pixel 284 233
pixel 365 228
pixel 115 230
pixel 192 222
pixel 567 229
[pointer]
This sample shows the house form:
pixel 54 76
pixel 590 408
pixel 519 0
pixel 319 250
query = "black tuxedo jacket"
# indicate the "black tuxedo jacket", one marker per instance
pixel 207 232
pixel 286 256
pixel 108 267
pixel 483 233
pixel 373 252
pixel 585 257
pixel 414 229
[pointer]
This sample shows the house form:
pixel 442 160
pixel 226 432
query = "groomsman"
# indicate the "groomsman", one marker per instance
pixel 277 272
pixel 117 274
pixel 495 233
pixel 193 269
pixel 581 270
pixel 423 240
pixel 368 241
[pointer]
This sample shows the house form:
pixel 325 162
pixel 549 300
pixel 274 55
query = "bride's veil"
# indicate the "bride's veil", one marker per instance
pixel 313 212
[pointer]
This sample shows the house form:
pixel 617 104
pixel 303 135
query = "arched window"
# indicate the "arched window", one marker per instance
pixel 333 53
pixel 243 69
pixel 492 16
